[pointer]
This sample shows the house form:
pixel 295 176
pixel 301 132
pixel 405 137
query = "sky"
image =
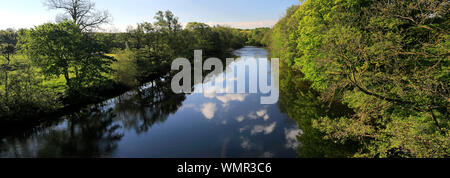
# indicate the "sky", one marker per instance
pixel 236 13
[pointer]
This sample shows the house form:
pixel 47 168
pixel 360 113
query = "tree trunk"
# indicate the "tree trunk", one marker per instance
pixel 6 87
pixel 436 123
pixel 6 79
pixel 66 76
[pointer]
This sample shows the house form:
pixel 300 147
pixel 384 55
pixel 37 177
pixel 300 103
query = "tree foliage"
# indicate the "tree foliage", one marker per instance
pixel 8 41
pixel 62 49
pixel 155 45
pixel 22 91
pixel 301 103
pixel 258 36
pixel 387 60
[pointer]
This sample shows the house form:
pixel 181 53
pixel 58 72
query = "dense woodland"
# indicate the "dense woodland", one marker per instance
pixel 388 61
pixel 385 63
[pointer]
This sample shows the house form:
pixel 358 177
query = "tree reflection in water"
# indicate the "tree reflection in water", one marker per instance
pixel 88 133
pixel 96 131
pixel 141 109
pixel 302 104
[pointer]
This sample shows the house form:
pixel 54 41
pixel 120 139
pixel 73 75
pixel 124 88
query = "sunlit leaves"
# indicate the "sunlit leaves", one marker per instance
pixel 387 60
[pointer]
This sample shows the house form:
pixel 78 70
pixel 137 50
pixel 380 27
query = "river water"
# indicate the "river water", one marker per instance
pixel 153 122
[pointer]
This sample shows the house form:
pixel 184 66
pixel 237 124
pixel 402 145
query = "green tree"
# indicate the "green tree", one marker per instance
pixel 387 60
pixel 62 49
pixel 203 37
pixel 283 42
pixel 301 103
pixel 8 41
pixel 258 37
pixel 143 34
pixel 155 45
pixel 167 21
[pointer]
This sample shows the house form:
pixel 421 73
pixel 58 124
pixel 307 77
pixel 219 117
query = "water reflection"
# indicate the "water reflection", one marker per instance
pixel 154 122
pixel 139 110
pixel 301 103
pixel 88 133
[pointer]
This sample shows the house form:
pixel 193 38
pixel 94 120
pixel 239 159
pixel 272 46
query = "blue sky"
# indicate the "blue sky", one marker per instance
pixel 236 13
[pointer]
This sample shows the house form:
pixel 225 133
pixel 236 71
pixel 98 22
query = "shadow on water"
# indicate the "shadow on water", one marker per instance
pixel 88 133
pixel 140 109
pixel 301 103
pixel 95 131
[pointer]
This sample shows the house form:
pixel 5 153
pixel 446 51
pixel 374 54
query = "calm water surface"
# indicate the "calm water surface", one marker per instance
pixel 153 122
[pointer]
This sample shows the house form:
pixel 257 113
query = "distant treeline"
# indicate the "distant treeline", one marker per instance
pixel 386 60
pixel 259 37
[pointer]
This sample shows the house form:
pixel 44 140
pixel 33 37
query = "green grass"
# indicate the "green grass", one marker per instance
pixel 54 83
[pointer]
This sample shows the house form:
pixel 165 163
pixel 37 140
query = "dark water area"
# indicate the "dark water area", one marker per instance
pixel 153 122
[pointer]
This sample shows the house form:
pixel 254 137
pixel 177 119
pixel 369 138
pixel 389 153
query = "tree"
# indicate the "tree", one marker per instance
pixel 257 37
pixel 280 43
pixel 167 21
pixel 386 60
pixel 62 49
pixel 168 30
pixel 155 45
pixel 140 36
pixel 8 41
pixel 196 26
pixel 82 12
pixel 300 102
pixel 201 36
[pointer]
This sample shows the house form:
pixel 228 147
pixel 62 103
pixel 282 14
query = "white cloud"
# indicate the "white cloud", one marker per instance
pixel 212 91
pixel 261 113
pixel 208 110
pixel 252 115
pixel 291 137
pixel 209 93
pixel 268 155
pixel 246 143
pixel 226 106
pixel 245 25
pixel 266 117
pixel 232 97
pixel 242 129
pixel 261 128
pixel 240 118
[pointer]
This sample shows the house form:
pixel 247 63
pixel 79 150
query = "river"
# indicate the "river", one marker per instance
pixel 153 122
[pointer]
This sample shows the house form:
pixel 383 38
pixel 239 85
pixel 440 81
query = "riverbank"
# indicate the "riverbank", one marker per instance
pixel 98 94
pixel 81 67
